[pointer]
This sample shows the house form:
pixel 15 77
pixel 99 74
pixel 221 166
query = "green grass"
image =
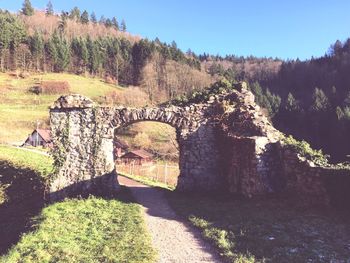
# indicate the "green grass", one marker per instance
pixel 20 109
pixel 22 159
pixel 266 230
pixel 148 181
pixel 22 185
pixel 91 230
pixel 75 230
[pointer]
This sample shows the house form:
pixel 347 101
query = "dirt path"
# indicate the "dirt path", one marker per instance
pixel 174 240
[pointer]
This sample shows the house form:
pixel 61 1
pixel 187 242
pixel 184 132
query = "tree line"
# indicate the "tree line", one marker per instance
pixel 77 15
pixel 316 100
pixel 308 99
pixel 115 58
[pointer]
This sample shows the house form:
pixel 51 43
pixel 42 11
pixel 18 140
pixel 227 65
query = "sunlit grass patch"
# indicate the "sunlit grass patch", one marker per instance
pixel 90 230
pixel 22 159
pixel 20 109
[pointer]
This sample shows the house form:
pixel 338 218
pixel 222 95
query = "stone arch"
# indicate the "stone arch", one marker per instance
pixel 84 140
pixel 226 144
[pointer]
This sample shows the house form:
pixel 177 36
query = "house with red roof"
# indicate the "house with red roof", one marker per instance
pixel 120 147
pixel 138 157
pixel 39 137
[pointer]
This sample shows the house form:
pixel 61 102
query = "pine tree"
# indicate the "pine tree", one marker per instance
pixel 123 26
pixel 115 23
pixel 94 55
pixel 93 18
pixel 49 9
pixel 51 51
pixel 84 18
pixel 75 14
pixel 12 33
pixel 257 91
pixel 36 45
pixel 102 20
pixel 320 101
pixel 339 112
pixel 80 51
pixel 59 51
pixel 27 8
pixel 291 103
pixel 108 23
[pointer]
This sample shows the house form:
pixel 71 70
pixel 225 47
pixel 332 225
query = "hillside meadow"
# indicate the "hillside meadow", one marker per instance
pixel 20 109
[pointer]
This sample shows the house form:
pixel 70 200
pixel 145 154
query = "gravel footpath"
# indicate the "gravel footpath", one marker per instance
pixel 174 240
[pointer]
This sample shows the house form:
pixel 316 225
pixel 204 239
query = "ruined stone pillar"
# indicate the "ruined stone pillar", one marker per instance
pixel 83 148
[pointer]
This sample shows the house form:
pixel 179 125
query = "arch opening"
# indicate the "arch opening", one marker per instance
pixel 148 150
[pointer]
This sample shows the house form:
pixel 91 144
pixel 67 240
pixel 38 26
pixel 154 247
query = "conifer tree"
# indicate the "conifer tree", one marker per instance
pixel 36 45
pixel 123 26
pixel 108 23
pixel 94 55
pixel 93 18
pixel 102 20
pixel 12 33
pixel 59 51
pixel 115 23
pixel 291 103
pixel 27 8
pixel 75 14
pixel 84 18
pixel 320 101
pixel 49 9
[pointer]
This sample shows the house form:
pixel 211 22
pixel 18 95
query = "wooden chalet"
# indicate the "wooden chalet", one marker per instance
pixel 39 137
pixel 138 157
pixel 120 148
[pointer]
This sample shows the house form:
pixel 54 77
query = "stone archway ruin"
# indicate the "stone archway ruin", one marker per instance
pixel 225 144
pixel 84 137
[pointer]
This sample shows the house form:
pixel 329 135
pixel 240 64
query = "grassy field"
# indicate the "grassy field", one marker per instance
pixel 20 109
pixel 22 159
pixel 91 230
pixel 95 229
pixel 266 230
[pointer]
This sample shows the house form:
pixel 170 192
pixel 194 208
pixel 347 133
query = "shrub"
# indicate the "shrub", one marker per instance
pixel 199 96
pixel 24 75
pixel 51 87
pixel 132 96
pixel 142 140
pixel 305 150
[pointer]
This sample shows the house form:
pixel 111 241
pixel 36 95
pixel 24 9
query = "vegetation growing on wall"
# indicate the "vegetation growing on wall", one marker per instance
pixel 201 96
pixel 304 149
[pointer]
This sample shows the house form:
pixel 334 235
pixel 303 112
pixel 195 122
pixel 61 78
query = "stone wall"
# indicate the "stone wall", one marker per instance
pixel 256 162
pixel 225 144
pixel 84 137
pixel 314 184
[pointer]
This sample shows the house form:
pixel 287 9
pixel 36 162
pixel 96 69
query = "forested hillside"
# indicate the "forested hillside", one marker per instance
pixel 76 42
pixel 316 100
pixel 308 99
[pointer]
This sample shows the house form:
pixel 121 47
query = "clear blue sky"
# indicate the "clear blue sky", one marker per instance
pixel 276 28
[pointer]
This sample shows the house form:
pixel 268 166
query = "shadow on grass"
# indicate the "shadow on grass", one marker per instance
pixel 268 229
pixel 24 200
